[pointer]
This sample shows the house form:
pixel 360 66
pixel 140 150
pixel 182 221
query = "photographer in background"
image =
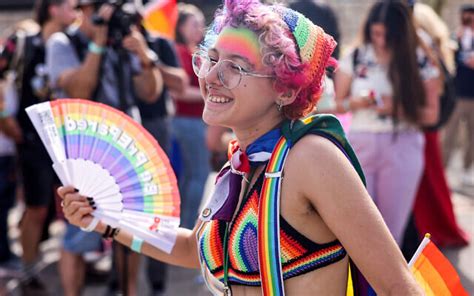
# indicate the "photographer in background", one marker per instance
pixel 108 60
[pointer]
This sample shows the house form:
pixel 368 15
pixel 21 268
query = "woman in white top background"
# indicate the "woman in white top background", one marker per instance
pixel 391 96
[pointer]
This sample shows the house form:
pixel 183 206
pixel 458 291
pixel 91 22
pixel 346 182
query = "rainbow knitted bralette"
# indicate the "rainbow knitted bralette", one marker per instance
pixel 299 255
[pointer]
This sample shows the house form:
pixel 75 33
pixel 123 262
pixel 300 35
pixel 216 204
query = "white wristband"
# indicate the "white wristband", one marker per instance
pixel 91 225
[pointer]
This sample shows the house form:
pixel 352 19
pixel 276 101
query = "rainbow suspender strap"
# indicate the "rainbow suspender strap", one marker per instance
pixel 269 258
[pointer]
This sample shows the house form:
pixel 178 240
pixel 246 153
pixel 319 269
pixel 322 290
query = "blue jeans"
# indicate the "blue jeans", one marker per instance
pixel 78 242
pixel 7 198
pixel 190 133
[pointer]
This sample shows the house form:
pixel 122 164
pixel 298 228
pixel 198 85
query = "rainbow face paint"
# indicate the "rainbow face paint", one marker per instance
pixel 242 42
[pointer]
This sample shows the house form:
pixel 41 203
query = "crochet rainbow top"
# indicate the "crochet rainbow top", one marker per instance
pixel 314 46
pixel 299 255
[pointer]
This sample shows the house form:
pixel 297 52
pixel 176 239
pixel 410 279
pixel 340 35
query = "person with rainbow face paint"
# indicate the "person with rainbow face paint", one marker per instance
pixel 289 213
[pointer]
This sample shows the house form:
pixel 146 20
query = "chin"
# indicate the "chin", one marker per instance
pixel 209 119
pixel 212 118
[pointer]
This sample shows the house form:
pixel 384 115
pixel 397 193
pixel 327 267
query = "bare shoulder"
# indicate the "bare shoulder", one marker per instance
pixel 315 153
pixel 321 171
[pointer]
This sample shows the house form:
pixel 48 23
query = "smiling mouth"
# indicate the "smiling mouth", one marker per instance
pixel 218 99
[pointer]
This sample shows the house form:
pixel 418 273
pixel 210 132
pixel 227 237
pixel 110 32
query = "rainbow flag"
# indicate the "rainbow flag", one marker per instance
pixel 160 17
pixel 433 272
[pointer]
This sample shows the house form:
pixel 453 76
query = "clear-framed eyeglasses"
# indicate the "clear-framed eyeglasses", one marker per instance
pixel 229 73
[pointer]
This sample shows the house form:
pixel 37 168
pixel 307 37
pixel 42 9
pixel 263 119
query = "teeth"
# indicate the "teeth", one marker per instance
pixel 215 99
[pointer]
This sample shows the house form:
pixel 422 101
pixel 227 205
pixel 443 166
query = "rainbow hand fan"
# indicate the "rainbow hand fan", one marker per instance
pixel 108 156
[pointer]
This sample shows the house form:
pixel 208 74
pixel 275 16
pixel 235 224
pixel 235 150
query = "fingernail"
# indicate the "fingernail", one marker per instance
pixel 89 198
pixel 94 207
pixel 91 203
pixel 76 190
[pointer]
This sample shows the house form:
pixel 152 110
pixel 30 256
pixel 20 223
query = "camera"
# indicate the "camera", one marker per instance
pixel 124 16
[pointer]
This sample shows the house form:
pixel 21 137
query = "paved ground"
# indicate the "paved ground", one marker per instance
pixel 188 282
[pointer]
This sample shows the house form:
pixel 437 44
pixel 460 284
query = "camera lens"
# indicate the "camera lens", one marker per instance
pixel 98 20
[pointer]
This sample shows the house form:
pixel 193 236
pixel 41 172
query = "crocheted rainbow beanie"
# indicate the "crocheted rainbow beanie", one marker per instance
pixel 314 46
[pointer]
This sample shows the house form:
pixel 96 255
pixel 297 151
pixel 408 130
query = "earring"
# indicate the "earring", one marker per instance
pixel 279 106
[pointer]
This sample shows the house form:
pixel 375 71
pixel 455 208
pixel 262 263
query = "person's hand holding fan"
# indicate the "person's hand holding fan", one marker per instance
pixel 106 155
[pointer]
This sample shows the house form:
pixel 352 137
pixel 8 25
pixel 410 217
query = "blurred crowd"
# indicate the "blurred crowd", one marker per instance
pixel 405 62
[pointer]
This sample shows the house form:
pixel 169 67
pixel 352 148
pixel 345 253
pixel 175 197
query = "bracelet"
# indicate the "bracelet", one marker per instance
pixel 91 225
pixel 95 48
pixel 148 65
pixel 115 232
pixel 106 234
pixel 136 244
pixel 110 232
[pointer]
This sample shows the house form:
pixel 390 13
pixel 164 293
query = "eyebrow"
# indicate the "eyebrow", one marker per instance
pixel 244 59
pixel 236 56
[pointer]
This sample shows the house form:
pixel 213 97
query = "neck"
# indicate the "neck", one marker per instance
pixel 192 47
pixel 382 54
pixel 248 135
pixel 48 29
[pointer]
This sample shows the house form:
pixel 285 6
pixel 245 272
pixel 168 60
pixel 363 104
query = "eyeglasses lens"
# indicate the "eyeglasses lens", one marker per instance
pixel 228 72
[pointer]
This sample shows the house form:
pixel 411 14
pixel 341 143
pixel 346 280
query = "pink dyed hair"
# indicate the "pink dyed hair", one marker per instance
pixel 279 50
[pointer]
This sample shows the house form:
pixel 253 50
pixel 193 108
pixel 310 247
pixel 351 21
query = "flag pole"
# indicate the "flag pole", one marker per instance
pixel 422 245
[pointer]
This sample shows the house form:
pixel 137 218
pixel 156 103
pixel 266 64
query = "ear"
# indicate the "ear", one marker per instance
pixel 288 97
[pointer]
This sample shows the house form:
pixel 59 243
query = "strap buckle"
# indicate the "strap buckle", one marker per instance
pixel 278 174
pixel 227 291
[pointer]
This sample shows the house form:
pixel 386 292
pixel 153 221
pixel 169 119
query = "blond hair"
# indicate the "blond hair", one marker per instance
pixel 427 19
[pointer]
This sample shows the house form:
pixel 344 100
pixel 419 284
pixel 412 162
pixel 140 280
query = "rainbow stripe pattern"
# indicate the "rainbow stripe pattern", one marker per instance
pixel 269 222
pixel 315 46
pixel 160 17
pixel 433 272
pixel 110 157
pixel 298 254
pixel 241 41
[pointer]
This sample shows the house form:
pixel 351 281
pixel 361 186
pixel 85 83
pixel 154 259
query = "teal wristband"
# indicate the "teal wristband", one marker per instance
pixel 94 48
pixel 136 244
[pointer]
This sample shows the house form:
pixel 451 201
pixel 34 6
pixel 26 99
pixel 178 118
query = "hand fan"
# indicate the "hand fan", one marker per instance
pixel 108 156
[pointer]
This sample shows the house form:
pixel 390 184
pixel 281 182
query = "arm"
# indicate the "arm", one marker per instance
pixel 81 81
pixel 78 212
pixel 174 77
pixel 344 100
pixel 430 112
pixel 148 84
pixel 347 209
pixel 10 127
pixel 342 86
pixel 190 94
